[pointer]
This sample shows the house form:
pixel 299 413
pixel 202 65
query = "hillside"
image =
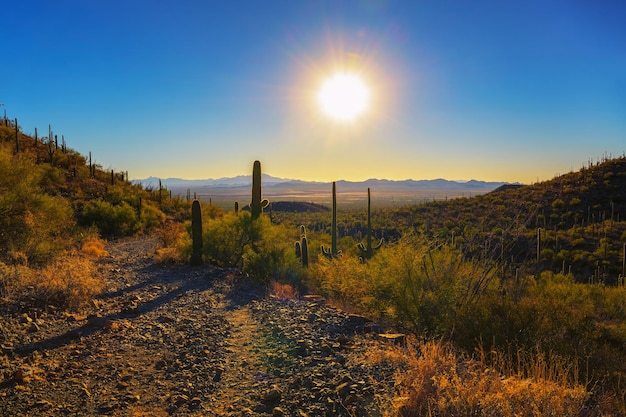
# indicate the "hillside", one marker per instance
pixel 52 197
pixel 580 217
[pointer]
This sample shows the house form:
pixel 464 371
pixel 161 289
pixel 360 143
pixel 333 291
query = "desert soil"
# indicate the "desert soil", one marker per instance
pixel 176 340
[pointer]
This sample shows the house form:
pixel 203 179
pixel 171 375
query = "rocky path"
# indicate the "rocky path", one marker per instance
pixel 187 341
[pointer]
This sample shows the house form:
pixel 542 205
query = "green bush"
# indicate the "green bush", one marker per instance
pixel 424 288
pixel 150 218
pixel 226 238
pixel 272 257
pixel 111 220
pixel 31 221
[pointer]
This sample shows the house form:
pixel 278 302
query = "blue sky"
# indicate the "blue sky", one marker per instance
pixel 490 90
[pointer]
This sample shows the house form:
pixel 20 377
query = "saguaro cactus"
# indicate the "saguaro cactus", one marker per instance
pixel 257 205
pixel 196 233
pixel 332 251
pixel 538 244
pixel 302 247
pixel 17 137
pixel 367 249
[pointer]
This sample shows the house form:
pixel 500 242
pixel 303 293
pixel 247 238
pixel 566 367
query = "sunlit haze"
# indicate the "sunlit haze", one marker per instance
pixel 322 90
pixel 343 96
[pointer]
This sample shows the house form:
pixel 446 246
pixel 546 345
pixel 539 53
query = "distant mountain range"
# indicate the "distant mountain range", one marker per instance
pixel 290 189
pixel 276 182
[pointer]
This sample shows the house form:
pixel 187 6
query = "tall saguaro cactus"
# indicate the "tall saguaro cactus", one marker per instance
pixel 17 137
pixel 538 244
pixel 258 204
pixel 196 233
pixel 332 251
pixel 302 247
pixel 367 249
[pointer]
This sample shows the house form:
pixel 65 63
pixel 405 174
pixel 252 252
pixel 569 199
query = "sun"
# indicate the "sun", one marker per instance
pixel 344 96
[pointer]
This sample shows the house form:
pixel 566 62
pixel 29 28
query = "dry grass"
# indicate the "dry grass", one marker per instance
pixel 173 239
pixel 68 283
pixel 283 291
pixel 94 247
pixel 437 381
pixel 167 256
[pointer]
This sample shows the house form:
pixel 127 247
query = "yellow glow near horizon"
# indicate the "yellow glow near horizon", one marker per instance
pixel 343 96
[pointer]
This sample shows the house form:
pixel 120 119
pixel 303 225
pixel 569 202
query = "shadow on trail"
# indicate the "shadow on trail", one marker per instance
pixel 183 279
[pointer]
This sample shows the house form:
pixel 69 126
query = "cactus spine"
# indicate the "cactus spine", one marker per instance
pixel 257 205
pixel 302 248
pixel 332 251
pixel 368 249
pixel 196 233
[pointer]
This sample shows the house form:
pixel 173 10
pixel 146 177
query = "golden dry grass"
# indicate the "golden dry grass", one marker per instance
pixel 283 291
pixel 94 247
pixel 68 283
pixel 173 238
pixel 437 381
pixel 167 256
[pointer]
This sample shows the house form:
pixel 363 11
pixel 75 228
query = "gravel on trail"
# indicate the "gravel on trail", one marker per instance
pixel 177 340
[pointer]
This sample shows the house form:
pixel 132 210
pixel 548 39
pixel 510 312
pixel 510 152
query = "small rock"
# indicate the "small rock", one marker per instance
pixel 259 408
pixel 343 389
pixel 277 412
pixel 273 395
pixel 396 338
pixel 73 334
pixel 110 324
pixel 313 298
pixel 180 399
pixel 357 320
pixel 107 407
pixel 45 404
pixel 131 398
pixel 95 320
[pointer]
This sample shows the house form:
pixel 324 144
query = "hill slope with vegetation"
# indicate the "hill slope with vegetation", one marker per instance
pixel 55 205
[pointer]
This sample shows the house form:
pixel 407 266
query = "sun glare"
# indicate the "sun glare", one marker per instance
pixel 343 96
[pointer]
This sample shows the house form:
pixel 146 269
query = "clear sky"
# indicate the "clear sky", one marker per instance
pixel 492 90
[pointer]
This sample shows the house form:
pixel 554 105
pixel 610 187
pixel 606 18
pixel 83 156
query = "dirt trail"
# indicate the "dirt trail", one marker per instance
pixel 187 341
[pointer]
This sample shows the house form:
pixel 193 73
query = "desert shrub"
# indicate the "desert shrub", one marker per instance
pixel 94 246
pixel 442 382
pixel 150 218
pixel 11 278
pixel 424 288
pixel 31 221
pixel 111 220
pixel 68 283
pixel 261 249
pixel 355 285
pixel 272 255
pixel 433 285
pixel 226 238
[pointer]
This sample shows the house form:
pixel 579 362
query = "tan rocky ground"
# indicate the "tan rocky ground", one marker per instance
pixel 187 341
